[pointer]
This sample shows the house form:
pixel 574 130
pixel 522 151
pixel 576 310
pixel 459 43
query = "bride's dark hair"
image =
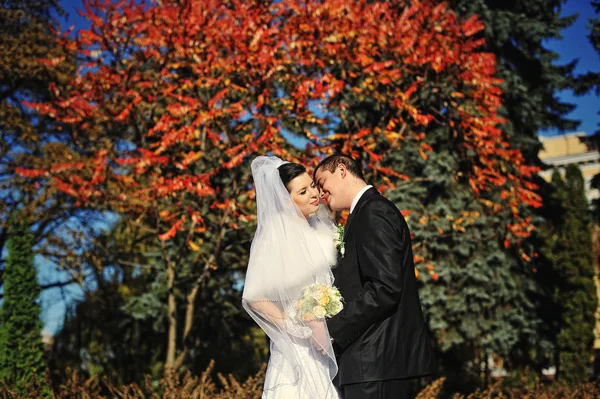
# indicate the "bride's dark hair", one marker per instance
pixel 289 171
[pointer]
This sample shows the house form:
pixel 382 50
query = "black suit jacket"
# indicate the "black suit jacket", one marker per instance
pixel 381 333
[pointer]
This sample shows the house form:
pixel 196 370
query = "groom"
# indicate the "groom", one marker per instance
pixel 380 335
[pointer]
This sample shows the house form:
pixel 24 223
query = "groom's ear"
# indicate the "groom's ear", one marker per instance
pixel 341 168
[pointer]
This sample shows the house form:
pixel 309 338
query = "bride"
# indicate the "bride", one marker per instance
pixel 293 248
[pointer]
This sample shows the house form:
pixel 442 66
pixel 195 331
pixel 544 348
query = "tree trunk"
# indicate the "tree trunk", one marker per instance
pixel 189 311
pixel 191 298
pixel 172 309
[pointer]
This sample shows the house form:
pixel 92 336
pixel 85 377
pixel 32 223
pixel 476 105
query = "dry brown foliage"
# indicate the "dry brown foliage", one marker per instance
pixel 175 386
pixel 172 386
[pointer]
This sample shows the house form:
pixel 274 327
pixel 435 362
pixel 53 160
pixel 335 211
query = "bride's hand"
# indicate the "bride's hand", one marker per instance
pixel 317 346
pixel 320 337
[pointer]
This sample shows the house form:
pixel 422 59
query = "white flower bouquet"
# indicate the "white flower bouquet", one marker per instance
pixel 319 301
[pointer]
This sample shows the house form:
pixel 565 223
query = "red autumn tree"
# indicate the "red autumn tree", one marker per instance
pixel 173 98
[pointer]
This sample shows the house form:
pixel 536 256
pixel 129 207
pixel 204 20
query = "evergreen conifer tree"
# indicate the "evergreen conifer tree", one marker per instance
pixel 570 300
pixel 21 350
pixel 516 33
pixel 577 293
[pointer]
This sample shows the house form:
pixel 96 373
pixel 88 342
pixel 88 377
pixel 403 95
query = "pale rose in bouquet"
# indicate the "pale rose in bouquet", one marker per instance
pixel 319 301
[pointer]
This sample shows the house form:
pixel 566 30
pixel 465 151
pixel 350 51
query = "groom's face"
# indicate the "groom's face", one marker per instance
pixel 331 188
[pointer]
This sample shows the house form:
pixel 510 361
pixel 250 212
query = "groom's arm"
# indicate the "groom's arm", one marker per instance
pixel 383 247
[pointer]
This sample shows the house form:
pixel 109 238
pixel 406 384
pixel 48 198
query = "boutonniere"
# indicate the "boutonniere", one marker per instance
pixel 338 240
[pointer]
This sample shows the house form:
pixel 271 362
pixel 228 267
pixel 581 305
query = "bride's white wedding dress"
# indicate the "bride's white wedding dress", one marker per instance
pixel 283 382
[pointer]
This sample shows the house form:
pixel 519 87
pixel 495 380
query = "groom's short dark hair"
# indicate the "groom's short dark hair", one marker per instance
pixel 333 161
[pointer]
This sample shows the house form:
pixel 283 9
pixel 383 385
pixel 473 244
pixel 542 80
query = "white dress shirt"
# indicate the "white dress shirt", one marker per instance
pixel 357 198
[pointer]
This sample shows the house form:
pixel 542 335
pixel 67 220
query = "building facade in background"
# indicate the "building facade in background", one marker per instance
pixel 560 151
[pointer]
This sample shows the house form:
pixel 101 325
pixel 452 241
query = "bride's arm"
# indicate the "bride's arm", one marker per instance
pixel 269 311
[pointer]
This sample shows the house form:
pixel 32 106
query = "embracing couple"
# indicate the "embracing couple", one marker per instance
pixel 339 304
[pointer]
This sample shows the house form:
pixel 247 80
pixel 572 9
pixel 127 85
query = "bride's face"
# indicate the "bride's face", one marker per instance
pixel 304 193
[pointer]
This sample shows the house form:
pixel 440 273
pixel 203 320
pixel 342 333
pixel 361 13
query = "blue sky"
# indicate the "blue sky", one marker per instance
pixel 574 45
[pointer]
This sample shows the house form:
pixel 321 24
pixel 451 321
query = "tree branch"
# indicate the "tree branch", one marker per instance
pixel 57 284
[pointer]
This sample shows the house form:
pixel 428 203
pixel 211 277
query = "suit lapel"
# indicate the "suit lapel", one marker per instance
pixel 370 192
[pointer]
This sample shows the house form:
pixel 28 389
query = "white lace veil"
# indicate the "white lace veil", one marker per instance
pixel 289 253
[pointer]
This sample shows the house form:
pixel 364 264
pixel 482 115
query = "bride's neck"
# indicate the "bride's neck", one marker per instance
pixel 304 218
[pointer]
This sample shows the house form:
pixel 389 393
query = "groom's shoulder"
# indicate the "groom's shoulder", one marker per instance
pixel 377 202
pixel 380 212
